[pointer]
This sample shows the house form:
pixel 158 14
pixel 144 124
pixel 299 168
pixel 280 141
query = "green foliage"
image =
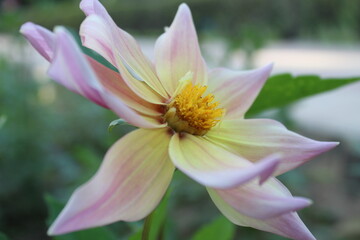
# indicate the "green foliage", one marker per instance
pixel 101 233
pixel 220 228
pixel 158 219
pixel 281 90
pixel 2 236
pixel 251 21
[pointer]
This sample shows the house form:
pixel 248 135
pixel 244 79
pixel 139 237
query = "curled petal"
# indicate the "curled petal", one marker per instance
pixel 131 181
pixel 44 42
pixel 177 52
pixel 214 166
pixel 268 200
pixel 40 38
pixel 288 224
pixel 70 68
pixel 114 83
pixel 256 138
pixel 237 90
pixel 130 116
pixel 100 33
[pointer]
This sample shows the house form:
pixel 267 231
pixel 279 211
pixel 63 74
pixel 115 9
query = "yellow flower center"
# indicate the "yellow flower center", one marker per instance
pixel 190 112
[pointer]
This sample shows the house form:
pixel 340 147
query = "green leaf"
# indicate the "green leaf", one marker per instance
pixel 136 236
pixel 54 208
pixel 159 218
pixel 90 52
pixel 115 123
pixel 284 89
pixel 3 236
pixel 220 228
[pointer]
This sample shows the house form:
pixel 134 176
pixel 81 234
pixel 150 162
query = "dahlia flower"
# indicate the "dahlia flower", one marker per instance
pixel 189 117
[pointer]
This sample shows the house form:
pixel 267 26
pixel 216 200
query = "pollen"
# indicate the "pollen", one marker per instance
pixel 192 112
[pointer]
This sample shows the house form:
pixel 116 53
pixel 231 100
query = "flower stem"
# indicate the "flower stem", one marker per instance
pixel 147 226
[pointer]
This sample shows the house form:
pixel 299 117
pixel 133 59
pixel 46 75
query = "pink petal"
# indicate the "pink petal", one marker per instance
pixel 40 38
pixel 44 42
pixel 214 166
pixel 131 181
pixel 287 225
pixel 268 200
pixel 256 138
pixel 237 90
pixel 70 68
pixel 177 52
pixel 100 33
pixel 113 82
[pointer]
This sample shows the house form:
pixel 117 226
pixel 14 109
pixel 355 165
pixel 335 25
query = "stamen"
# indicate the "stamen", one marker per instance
pixel 190 112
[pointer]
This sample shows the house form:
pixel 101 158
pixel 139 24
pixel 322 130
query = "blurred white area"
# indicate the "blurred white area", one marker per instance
pixel 335 114
pixel 312 58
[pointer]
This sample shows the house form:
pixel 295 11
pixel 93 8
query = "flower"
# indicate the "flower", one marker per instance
pixel 189 118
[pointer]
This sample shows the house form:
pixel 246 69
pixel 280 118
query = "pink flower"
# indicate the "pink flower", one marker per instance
pixel 189 118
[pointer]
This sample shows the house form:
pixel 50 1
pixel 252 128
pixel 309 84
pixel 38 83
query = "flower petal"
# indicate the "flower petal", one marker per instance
pixel 287 225
pixel 177 52
pixel 70 68
pixel 113 82
pixel 40 38
pixel 100 33
pixel 214 166
pixel 268 200
pixel 44 42
pixel 131 181
pixel 237 90
pixel 256 138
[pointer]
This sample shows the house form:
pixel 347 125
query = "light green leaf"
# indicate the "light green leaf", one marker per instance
pixel 281 90
pixel 115 123
pixel 2 120
pixel 159 218
pixel 220 228
pixel 100 233
pixel 136 236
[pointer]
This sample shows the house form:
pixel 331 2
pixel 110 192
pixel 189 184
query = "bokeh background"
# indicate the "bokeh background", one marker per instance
pixel 52 140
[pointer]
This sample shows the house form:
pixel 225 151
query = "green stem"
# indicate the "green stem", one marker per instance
pixel 147 226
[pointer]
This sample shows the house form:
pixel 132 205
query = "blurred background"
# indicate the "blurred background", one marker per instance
pixel 52 140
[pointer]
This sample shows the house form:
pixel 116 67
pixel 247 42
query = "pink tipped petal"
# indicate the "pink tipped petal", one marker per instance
pixel 100 33
pixel 113 82
pixel 87 6
pixel 214 166
pixel 70 68
pixel 177 52
pixel 264 201
pixel 131 181
pixel 288 224
pixel 130 116
pixel 237 90
pixel 40 38
pixel 256 138
pixel 44 42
